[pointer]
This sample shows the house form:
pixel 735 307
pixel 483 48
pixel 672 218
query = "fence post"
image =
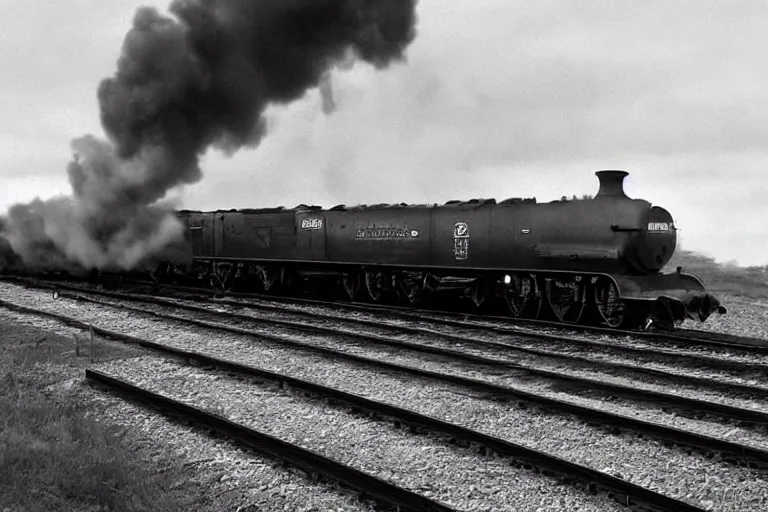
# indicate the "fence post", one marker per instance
pixel 92 348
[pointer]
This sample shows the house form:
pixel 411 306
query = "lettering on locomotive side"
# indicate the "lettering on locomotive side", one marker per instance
pixel 660 227
pixel 461 240
pixel 385 233
pixel 461 230
pixel 311 223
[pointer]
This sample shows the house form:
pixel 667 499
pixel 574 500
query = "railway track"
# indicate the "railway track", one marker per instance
pixel 472 328
pixel 388 495
pixel 683 337
pixel 657 351
pixel 491 354
pixel 659 364
pixel 585 384
pixel 734 451
pixel 634 496
pixel 708 446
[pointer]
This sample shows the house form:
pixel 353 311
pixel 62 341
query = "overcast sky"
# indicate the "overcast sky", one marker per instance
pixel 497 98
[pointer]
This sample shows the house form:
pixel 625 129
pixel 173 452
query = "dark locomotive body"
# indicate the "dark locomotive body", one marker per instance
pixel 603 253
pixel 608 234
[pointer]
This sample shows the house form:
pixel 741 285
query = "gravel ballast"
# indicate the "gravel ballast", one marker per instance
pixel 754 316
pixel 246 480
pixel 745 317
pixel 664 385
pixel 647 462
pixel 424 464
pixel 165 331
pixel 349 344
pixel 749 317
pixel 674 364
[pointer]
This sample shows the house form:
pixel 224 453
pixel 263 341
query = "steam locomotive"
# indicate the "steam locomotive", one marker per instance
pixel 577 261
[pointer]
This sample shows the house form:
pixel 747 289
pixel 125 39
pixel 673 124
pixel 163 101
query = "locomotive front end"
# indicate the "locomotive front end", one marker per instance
pixel 655 242
pixel 647 241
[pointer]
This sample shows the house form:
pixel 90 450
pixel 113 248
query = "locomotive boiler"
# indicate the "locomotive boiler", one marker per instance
pixel 593 260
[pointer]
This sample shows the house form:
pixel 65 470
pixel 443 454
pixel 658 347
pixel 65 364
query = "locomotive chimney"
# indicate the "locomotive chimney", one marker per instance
pixel 611 184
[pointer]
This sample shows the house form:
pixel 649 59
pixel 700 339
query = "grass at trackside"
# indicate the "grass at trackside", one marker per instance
pixel 52 456
pixel 749 282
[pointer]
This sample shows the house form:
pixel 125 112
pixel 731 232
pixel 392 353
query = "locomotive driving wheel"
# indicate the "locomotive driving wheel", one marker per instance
pixel 522 295
pixel 375 283
pixel 610 308
pixel 566 298
pixel 411 288
pixel 350 281
pixel 267 277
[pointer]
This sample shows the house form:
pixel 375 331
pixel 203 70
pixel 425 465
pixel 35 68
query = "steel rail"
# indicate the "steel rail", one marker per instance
pixel 689 337
pixel 384 492
pixel 620 490
pixel 709 361
pixel 701 442
pixel 581 383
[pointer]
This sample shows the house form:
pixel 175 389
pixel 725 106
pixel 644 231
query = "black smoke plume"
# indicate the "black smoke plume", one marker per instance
pixel 200 79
